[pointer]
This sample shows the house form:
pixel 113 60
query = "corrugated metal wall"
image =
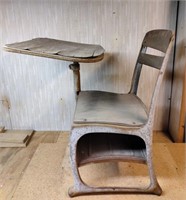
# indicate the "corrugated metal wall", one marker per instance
pixel 38 92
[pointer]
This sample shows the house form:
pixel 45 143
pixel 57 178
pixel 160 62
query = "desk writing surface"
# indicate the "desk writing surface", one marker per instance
pixel 58 49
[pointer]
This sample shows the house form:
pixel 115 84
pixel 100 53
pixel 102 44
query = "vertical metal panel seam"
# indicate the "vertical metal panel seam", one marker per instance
pixel 173 67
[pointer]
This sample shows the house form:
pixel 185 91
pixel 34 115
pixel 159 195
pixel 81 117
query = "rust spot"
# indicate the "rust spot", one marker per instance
pixel 6 102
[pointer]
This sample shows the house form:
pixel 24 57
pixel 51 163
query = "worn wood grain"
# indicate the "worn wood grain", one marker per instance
pixel 14 161
pixel 182 122
pixel 161 137
pixel 160 44
pixel 28 132
pixel 51 137
pixel 150 60
pixel 58 49
pixel 178 79
pixel 10 176
pixel 171 173
pixel 15 138
pixel 110 108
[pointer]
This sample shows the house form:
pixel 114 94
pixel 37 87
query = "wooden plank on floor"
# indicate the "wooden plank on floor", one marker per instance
pixel 15 138
pixel 54 179
pixel 13 163
pixel 27 132
pixel 180 134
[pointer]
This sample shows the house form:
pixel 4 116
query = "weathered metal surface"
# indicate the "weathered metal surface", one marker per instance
pixel 75 67
pixel 102 130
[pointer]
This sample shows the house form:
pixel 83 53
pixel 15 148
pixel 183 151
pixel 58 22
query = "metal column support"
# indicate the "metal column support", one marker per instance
pixel 75 67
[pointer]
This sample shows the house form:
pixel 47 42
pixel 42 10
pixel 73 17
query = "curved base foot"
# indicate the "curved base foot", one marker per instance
pixel 78 191
pixel 156 190
pixel 72 192
pixel 87 190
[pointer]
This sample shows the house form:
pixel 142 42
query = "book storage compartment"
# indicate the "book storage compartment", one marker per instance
pixel 102 147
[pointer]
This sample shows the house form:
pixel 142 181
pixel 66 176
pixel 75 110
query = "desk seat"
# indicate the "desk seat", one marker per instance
pixel 110 108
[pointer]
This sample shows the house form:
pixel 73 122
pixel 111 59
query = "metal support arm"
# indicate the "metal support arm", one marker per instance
pixel 75 67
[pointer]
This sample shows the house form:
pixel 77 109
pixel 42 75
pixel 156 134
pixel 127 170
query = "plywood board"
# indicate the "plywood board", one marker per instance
pixel 182 123
pixel 58 49
pixel 14 161
pixel 55 176
pixel 27 132
pixel 46 169
pixel 15 138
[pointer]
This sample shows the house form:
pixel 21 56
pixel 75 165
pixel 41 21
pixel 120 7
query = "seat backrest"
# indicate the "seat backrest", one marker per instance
pixel 161 41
